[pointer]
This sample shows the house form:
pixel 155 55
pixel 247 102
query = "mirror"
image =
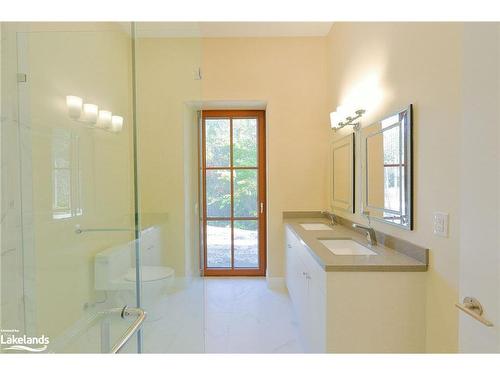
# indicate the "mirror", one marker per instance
pixel 342 178
pixel 387 169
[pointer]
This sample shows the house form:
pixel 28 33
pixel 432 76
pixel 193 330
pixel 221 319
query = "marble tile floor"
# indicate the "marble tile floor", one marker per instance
pixel 224 315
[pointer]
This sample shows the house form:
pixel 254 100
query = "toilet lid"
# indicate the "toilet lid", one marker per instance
pixel 150 273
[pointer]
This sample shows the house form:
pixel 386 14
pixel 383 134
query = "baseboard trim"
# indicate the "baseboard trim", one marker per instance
pixel 277 283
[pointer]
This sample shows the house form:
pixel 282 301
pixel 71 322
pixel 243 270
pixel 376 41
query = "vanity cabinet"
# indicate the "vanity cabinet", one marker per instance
pixel 354 311
pixel 306 285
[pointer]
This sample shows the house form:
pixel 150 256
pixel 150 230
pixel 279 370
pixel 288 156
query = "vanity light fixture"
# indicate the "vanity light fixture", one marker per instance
pixel 90 114
pixel 74 104
pixel 337 123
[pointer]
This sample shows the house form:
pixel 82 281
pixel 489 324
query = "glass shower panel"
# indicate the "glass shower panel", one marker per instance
pixel 168 107
pixel 68 238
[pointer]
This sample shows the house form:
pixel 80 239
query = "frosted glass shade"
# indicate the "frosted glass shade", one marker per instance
pixel 104 119
pixel 116 123
pixel 74 105
pixel 90 112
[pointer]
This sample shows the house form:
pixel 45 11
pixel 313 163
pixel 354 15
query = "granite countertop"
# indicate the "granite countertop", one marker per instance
pixel 386 260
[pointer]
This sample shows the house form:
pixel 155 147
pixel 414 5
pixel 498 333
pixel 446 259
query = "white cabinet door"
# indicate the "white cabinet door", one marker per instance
pixel 295 280
pixel 292 273
pixel 306 285
pixel 315 316
pixel 316 313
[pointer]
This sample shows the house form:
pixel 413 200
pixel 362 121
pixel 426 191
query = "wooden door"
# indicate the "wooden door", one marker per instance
pixel 234 193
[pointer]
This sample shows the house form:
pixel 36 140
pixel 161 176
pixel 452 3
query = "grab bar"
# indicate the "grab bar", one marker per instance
pixel 473 307
pixel 124 312
pixel 79 230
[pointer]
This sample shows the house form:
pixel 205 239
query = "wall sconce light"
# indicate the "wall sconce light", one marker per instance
pixel 116 123
pixel 74 104
pixel 90 114
pixel 104 119
pixel 338 121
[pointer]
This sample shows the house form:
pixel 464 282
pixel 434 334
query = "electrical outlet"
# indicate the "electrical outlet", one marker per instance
pixel 440 224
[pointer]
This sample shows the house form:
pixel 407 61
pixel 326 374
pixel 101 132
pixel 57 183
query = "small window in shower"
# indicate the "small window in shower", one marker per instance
pixel 66 175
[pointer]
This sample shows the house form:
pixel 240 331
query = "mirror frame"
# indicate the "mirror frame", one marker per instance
pixel 349 141
pixel 407 115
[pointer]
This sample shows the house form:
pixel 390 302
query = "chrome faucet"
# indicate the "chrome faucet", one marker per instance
pixel 331 216
pixel 370 233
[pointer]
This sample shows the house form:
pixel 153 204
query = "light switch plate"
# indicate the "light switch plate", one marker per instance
pixel 440 224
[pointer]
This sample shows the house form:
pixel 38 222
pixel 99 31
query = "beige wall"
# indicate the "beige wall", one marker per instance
pixel 191 197
pixel 417 63
pixel 166 90
pixel 290 75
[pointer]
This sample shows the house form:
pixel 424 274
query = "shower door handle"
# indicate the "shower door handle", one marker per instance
pixel 136 325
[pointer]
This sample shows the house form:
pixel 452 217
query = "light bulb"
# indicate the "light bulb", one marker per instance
pixel 333 120
pixel 104 119
pixel 74 105
pixel 90 113
pixel 341 113
pixel 116 123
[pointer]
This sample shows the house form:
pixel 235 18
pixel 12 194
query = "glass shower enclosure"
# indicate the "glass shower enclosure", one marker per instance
pixel 85 250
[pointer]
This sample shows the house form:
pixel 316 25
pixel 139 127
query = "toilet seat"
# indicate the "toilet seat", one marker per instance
pixel 150 273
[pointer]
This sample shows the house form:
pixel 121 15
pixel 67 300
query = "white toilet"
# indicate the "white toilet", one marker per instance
pixel 115 273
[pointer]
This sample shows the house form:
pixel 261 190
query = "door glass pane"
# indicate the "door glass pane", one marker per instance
pixel 218 186
pixel 246 244
pixel 245 193
pixel 245 142
pixel 219 244
pixel 217 142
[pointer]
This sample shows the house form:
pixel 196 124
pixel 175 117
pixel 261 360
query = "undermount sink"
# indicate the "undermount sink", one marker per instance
pixel 315 226
pixel 346 247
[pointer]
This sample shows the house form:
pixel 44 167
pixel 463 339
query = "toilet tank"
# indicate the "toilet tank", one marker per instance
pixel 151 245
pixel 111 265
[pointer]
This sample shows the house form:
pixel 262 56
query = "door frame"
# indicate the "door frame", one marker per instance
pixel 261 194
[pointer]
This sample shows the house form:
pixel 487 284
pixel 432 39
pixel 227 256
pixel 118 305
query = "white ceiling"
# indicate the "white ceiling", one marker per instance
pixel 231 29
